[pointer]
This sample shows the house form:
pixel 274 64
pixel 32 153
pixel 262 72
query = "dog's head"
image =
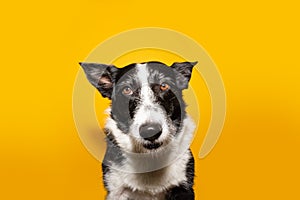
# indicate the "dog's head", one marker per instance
pixel 147 108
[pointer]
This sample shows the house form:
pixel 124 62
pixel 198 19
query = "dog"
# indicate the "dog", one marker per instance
pixel 148 131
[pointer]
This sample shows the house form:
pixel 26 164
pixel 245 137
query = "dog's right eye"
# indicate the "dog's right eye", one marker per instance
pixel 127 91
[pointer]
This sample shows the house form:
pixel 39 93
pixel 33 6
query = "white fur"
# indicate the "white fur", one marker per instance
pixel 151 184
pixel 122 139
pixel 142 73
pixel 148 174
pixel 148 111
pixel 147 96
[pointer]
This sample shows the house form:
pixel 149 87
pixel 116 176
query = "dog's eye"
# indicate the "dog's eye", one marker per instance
pixel 127 91
pixel 164 87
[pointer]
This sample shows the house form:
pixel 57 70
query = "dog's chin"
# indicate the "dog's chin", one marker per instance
pixel 152 145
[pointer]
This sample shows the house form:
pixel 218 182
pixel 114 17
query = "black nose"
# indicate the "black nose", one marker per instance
pixel 150 131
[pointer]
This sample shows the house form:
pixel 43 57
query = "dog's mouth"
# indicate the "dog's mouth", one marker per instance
pixel 152 145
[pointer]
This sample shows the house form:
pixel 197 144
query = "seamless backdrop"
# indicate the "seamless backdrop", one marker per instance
pixel 255 45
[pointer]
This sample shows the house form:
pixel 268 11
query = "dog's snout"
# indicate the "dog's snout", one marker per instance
pixel 151 131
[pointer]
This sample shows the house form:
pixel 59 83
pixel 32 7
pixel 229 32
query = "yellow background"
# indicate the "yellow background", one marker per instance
pixel 255 45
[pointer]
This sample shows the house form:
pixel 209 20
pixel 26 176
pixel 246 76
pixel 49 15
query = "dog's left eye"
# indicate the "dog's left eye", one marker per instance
pixel 127 91
pixel 164 87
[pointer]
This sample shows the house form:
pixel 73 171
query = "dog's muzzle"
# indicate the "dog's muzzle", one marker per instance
pixel 151 131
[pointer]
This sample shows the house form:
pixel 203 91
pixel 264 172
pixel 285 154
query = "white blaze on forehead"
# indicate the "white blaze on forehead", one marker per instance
pixel 147 95
pixel 142 73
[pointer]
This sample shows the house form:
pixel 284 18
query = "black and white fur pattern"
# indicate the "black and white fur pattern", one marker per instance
pixel 148 131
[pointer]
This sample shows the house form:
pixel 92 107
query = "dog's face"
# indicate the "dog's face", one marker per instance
pixel 146 101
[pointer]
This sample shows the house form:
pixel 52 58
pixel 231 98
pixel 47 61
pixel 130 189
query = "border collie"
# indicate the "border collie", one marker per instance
pixel 148 131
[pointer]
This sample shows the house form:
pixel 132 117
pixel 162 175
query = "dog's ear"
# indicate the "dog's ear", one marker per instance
pixel 101 76
pixel 183 71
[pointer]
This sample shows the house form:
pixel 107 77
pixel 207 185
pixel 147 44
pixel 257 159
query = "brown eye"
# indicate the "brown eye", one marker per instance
pixel 164 87
pixel 127 91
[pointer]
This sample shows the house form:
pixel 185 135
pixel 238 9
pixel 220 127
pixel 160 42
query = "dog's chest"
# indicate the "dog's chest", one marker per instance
pixel 150 185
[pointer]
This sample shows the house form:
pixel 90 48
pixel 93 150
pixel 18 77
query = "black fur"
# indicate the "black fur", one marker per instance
pixel 110 82
pixel 185 190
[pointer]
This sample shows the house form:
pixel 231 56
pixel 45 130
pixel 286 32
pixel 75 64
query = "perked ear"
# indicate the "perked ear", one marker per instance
pixel 183 71
pixel 101 76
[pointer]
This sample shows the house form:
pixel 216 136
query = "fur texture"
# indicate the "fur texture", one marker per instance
pixel 148 130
